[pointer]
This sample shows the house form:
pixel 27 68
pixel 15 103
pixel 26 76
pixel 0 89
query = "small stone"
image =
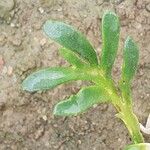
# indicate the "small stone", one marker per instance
pixel 43 42
pixel 9 70
pixel 79 142
pixel 41 10
pixel 147 7
pixel 55 125
pixel 12 25
pixel 59 9
pixel 44 118
pixel 18 25
pixel 119 140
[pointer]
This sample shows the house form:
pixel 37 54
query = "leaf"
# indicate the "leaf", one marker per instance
pixel 50 78
pixel 110 40
pixel 72 58
pixel 71 39
pixel 85 99
pixel 140 146
pixel 131 57
pixel 126 92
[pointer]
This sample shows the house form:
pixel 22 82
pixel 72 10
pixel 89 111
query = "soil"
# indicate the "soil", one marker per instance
pixel 26 119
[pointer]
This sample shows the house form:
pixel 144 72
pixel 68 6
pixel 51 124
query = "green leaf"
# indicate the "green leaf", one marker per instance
pixel 126 92
pixel 79 103
pixel 50 77
pixel 72 58
pixel 110 40
pixel 131 57
pixel 141 146
pixel 71 39
pixel 130 63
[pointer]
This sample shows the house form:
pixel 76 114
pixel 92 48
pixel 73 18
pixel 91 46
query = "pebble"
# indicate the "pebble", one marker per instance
pixel 12 25
pixel 79 142
pixel 55 125
pixel 9 70
pixel 41 10
pixel 59 9
pixel 43 42
pixel 44 118
pixel 147 7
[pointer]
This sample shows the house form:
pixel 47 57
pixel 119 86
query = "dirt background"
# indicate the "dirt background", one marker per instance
pixel 26 120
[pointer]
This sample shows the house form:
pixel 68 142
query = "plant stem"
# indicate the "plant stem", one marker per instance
pixel 132 124
pixel 128 117
pixel 123 104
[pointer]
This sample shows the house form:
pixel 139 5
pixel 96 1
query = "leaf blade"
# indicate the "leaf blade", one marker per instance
pixel 72 58
pixel 140 146
pixel 131 57
pixel 71 39
pixel 84 99
pixel 130 63
pixel 49 78
pixel 110 40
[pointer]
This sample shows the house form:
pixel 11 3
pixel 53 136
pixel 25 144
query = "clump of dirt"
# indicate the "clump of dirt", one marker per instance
pixel 6 7
pixel 26 119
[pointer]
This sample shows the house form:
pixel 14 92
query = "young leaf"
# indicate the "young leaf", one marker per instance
pixel 76 104
pixel 126 92
pixel 71 39
pixel 50 77
pixel 110 40
pixel 72 58
pixel 131 57
pixel 140 146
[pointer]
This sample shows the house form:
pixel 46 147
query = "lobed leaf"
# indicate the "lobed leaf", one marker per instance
pixel 79 103
pixel 72 58
pixel 50 77
pixel 71 39
pixel 131 57
pixel 110 40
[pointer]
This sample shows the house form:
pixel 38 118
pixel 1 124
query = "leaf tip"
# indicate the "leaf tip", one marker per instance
pixel 131 44
pixel 57 110
pixel 25 86
pixel 129 39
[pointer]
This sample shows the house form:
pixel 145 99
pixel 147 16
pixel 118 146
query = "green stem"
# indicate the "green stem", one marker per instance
pixel 123 104
pixel 132 124
pixel 128 117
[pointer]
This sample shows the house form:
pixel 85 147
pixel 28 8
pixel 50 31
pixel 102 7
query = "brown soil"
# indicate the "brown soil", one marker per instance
pixel 26 120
